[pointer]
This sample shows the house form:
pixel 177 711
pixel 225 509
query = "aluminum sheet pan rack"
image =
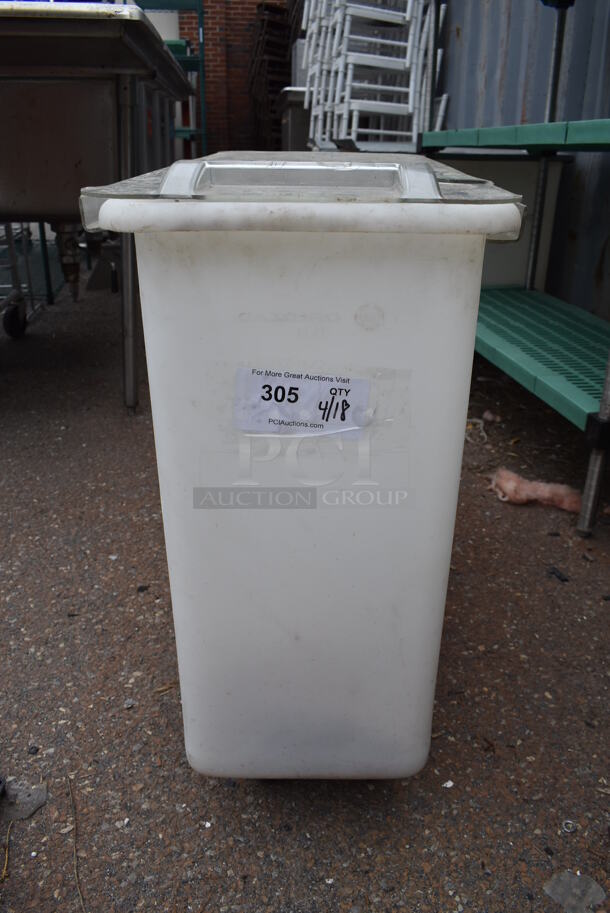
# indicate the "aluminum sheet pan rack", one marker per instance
pixel 296 10
pixel 372 68
pixel 269 71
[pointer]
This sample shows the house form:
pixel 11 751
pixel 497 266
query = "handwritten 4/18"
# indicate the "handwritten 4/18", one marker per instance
pixel 333 407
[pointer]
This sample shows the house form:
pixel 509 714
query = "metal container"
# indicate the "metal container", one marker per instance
pixel 67 71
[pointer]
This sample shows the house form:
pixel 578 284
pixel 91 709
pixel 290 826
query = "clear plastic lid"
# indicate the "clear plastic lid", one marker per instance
pixel 297 177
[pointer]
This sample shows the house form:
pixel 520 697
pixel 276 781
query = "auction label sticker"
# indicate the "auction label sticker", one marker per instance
pixel 299 404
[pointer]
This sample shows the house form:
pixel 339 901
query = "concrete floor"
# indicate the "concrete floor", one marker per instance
pixel 89 680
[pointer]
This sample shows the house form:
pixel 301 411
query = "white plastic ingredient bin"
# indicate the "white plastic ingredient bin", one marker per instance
pixel 309 322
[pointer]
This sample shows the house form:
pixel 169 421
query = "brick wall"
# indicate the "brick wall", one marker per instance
pixel 228 38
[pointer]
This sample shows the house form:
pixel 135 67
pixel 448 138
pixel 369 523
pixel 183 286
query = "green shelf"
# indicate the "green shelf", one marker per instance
pixel 567 135
pixel 186 132
pixel 188 62
pixel 177 45
pixel 555 350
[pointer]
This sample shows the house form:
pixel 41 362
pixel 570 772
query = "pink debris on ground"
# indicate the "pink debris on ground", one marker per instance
pixel 514 488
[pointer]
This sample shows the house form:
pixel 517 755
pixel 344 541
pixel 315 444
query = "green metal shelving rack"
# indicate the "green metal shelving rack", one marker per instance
pixel 555 350
pixel 189 62
pixel 582 135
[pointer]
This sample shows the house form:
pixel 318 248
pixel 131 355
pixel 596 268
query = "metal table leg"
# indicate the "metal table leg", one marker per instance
pixel 168 156
pixel 145 162
pixel 12 258
pixel 45 263
pixel 595 472
pixel 130 298
pixel 157 130
pixel 14 319
pixel 25 249
pixel 128 264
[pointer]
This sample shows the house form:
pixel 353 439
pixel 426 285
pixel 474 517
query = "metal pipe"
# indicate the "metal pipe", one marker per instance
pixel 129 299
pixel 144 162
pixel 204 144
pixel 25 241
pixel 537 218
pixel 14 298
pixel 45 263
pixel 167 136
pixel 550 113
pixel 432 49
pixel 128 270
pixel 158 129
pixel 595 471
pixel 12 257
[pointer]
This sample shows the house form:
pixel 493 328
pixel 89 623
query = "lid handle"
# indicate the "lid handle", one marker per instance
pixel 259 180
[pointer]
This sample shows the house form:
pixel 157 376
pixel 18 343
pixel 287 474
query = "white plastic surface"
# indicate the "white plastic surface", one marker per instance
pixel 308 639
pixel 308 633
pixel 501 221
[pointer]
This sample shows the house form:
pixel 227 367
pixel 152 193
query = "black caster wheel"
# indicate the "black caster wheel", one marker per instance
pixel 14 322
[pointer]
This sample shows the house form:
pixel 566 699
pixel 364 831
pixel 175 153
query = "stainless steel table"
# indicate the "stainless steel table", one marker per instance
pixel 86 93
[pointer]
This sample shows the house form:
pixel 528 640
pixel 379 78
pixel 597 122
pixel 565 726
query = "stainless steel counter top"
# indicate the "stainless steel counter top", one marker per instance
pixel 85 40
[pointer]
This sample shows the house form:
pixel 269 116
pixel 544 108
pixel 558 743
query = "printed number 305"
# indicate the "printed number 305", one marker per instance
pixel 279 394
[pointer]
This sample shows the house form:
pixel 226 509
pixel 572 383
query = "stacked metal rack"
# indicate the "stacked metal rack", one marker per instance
pixel 270 70
pixel 295 18
pixel 372 67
